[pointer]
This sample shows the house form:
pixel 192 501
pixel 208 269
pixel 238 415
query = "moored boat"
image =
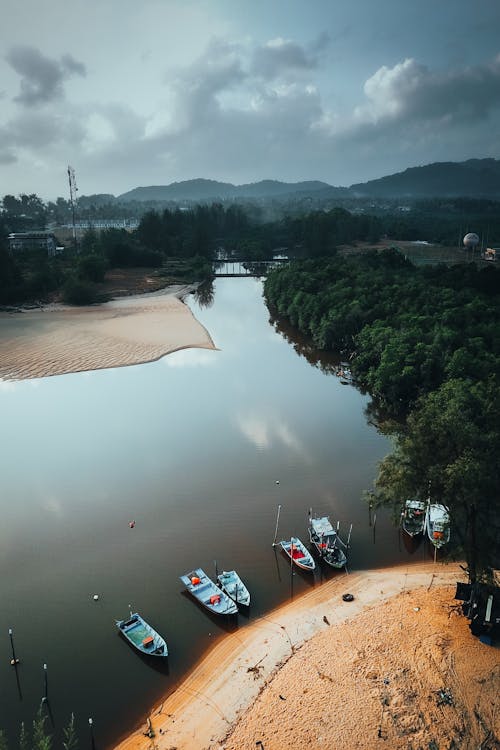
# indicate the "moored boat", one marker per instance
pixel 299 553
pixel 142 636
pixel 208 593
pixel 437 524
pixel 233 586
pixel 327 541
pixel 413 517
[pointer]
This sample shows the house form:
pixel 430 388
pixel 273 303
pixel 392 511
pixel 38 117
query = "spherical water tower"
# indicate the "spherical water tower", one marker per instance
pixel 471 241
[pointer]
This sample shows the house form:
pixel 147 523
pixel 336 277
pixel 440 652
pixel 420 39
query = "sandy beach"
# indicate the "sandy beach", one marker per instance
pixel 57 340
pixel 396 668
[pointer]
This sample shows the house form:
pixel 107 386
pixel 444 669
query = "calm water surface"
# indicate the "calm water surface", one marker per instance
pixel 191 448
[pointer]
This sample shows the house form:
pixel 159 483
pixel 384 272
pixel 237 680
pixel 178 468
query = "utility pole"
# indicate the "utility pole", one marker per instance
pixel 73 198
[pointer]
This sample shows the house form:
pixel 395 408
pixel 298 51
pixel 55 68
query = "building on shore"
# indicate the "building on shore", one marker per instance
pixel 21 242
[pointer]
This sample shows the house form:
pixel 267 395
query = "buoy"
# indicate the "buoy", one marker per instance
pixel 277 481
pixel 96 597
pixel 131 524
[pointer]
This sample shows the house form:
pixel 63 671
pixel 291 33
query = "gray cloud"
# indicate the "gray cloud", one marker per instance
pixel 283 57
pixel 41 77
pixel 410 91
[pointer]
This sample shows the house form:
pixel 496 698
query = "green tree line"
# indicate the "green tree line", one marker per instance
pixel 425 343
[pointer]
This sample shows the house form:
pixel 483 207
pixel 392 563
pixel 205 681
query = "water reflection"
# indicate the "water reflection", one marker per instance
pixel 204 294
pixel 190 447
pixel 327 362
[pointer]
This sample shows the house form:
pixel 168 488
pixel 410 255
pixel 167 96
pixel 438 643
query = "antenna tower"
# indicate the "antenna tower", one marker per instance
pixel 73 198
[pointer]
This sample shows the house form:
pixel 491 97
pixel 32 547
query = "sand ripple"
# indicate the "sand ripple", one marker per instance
pixel 127 331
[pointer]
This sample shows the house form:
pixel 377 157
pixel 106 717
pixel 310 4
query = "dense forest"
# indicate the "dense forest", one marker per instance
pixel 425 343
pixel 202 233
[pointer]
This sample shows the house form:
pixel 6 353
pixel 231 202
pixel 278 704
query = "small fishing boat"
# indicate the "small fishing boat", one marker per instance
pixel 233 586
pixel 208 593
pixel 299 554
pixel 437 524
pixel 413 517
pixel 327 541
pixel 142 636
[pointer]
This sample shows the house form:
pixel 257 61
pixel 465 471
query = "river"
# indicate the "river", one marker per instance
pixel 198 449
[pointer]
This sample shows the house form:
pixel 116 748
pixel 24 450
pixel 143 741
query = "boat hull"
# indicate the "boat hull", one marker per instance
pixel 413 517
pixel 437 525
pixel 327 542
pixel 142 636
pixel 233 586
pixel 298 553
pixel 208 594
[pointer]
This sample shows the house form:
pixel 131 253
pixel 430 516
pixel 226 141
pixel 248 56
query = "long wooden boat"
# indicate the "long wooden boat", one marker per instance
pixel 208 593
pixel 413 517
pixel 233 586
pixel 142 636
pixel 299 553
pixel 437 524
pixel 327 542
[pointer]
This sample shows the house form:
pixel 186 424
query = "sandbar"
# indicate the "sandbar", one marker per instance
pixel 319 672
pixel 57 339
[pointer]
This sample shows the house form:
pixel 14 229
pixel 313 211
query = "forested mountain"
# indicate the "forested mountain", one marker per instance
pixel 210 190
pixel 479 178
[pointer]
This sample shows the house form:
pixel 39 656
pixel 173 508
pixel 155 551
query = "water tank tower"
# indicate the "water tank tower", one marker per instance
pixel 471 241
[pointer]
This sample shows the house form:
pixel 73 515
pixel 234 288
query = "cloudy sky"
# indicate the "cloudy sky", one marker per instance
pixel 149 92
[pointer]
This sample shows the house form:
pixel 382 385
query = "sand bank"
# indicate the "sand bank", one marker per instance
pixel 126 331
pixel 319 672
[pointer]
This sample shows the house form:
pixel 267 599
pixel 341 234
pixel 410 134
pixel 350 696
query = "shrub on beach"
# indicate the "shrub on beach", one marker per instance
pixel 78 292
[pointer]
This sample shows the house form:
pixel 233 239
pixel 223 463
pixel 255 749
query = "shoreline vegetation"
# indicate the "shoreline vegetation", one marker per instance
pixel 397 666
pixel 424 343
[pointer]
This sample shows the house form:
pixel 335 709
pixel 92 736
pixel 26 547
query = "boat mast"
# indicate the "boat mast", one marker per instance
pixel 277 521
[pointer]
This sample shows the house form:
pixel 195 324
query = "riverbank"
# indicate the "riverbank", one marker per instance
pixel 58 339
pixel 321 672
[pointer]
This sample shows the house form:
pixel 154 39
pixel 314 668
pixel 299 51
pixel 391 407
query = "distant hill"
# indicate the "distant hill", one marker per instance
pixel 478 178
pixel 204 190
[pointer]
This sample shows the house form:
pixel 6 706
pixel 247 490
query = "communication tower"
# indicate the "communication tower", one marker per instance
pixel 73 198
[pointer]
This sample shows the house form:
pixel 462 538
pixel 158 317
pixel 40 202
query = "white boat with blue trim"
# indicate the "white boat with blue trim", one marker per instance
pixel 142 636
pixel 413 517
pixel 437 524
pixel 233 586
pixel 298 553
pixel 208 593
pixel 330 547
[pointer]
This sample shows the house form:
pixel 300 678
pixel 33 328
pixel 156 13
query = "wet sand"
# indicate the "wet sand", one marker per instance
pixel 319 672
pixel 57 340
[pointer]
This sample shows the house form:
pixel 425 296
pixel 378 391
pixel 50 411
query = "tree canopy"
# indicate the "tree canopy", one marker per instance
pixel 426 345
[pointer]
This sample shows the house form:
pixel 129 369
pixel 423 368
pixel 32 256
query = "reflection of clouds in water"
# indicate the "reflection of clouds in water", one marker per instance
pixel 16 385
pixel 286 436
pixel 8 385
pixel 255 430
pixel 263 431
pixel 189 358
pixel 52 504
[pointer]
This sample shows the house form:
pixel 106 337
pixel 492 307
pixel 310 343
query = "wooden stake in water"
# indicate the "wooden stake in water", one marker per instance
pixel 91 727
pixel 276 530
pixel 349 537
pixel 14 661
pixel 46 696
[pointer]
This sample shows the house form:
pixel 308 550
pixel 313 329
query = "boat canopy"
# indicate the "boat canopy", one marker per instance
pixel 322 526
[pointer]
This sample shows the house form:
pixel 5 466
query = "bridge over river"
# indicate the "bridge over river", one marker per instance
pixel 231 268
